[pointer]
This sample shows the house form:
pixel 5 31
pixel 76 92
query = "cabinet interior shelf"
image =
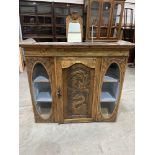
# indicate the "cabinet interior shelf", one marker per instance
pixel 41 79
pixel 108 78
pixel 44 97
pixel 107 97
pixel 111 76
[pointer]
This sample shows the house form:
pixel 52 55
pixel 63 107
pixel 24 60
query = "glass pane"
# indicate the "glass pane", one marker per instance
pixel 28 3
pixel 110 90
pixel 94 17
pixel 79 10
pixel 42 91
pixel 105 19
pixel 106 13
pixel 60 20
pixel 114 31
pixel 41 19
pixel 60 31
pixel 27 9
pixel 29 30
pixel 42 30
pixel 44 20
pixel 48 20
pixel 44 9
pixel 116 14
pixel 93 31
pixel 29 20
pixel 61 11
pixel 116 19
pixel 103 31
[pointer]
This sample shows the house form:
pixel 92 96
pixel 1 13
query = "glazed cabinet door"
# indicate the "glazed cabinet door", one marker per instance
pixel 76 85
pixel 42 87
pixel 110 87
pixel 93 19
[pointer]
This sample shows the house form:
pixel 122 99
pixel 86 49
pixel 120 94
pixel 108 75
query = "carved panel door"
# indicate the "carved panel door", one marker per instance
pixel 77 86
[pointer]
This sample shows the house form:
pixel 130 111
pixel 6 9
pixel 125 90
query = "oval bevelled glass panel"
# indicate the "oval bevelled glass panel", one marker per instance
pixel 42 91
pixel 110 90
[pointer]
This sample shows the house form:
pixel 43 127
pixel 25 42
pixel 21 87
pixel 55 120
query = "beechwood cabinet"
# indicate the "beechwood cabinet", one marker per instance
pixel 70 84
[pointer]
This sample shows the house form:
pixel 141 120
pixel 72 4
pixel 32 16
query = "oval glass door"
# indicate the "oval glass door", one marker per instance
pixel 110 90
pixel 42 91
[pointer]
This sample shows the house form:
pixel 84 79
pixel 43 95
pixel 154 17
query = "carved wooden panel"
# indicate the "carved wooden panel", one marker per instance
pixel 78 83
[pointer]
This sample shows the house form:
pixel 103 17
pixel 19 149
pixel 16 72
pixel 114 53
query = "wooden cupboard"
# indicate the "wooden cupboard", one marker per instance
pixel 76 82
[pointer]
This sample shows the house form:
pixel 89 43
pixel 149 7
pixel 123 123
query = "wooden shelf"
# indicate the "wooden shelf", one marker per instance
pixel 64 16
pixel 60 36
pixel 44 97
pixel 60 25
pixel 36 15
pixel 108 78
pixel 44 25
pixel 107 97
pixel 41 79
pixel 36 36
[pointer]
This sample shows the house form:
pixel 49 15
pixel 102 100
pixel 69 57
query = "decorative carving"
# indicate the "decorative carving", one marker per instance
pixel 78 90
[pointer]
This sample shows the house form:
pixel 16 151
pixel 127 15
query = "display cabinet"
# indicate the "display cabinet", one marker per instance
pixel 104 19
pixel 46 21
pixel 70 84
pixel 36 20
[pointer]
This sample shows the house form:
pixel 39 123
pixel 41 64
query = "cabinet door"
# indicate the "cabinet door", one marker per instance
pixel 42 87
pixel 105 15
pixel 116 19
pixel 111 80
pixel 93 19
pixel 76 81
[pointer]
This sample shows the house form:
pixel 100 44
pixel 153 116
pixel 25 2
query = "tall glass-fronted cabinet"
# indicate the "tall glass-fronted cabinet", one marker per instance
pixel 104 19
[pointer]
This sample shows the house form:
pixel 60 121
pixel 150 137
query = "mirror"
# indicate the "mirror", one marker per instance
pixel 74 27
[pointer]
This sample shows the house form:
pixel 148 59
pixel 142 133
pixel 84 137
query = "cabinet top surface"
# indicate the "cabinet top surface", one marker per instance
pixel 116 44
